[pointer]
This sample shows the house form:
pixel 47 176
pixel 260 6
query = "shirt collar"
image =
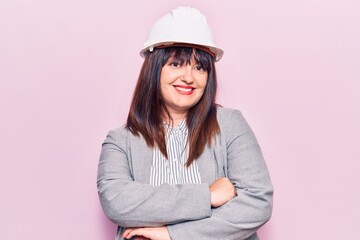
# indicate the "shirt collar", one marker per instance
pixel 181 127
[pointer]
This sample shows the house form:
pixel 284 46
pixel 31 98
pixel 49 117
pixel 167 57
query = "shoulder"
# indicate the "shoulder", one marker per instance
pixel 229 116
pixel 118 136
pixel 232 122
pixel 119 131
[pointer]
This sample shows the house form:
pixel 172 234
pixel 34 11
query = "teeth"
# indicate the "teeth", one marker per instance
pixel 184 89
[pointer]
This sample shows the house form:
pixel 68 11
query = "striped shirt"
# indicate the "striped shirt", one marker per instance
pixel 173 170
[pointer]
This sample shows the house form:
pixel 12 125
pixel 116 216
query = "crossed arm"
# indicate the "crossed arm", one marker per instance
pixel 188 211
pixel 221 191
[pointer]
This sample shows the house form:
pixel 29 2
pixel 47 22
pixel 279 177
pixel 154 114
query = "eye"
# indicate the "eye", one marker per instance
pixel 175 64
pixel 200 68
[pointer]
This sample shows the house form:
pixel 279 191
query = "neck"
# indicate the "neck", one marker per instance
pixel 177 117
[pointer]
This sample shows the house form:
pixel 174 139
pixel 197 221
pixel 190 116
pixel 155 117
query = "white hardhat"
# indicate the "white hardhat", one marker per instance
pixel 183 26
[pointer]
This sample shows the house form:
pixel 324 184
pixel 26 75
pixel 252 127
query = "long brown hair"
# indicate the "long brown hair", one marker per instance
pixel 147 107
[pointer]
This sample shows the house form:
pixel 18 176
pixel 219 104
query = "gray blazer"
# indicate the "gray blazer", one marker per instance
pixel 129 201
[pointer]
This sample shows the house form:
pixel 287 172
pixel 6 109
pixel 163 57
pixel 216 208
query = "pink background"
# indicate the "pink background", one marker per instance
pixel 68 69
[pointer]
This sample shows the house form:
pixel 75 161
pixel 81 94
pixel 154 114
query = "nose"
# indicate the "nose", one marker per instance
pixel 188 76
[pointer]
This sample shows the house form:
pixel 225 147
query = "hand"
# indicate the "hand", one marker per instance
pixel 152 233
pixel 222 191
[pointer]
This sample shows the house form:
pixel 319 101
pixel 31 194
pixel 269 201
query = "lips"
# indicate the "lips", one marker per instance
pixel 184 90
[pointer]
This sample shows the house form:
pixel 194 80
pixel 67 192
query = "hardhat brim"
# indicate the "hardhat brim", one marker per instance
pixel 215 52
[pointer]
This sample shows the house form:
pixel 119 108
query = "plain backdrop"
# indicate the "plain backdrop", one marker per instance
pixel 68 70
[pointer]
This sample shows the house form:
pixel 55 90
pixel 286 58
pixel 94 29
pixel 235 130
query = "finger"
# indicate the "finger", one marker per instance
pixel 127 231
pixel 135 232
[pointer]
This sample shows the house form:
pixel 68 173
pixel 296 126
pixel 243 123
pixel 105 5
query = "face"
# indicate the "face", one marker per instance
pixel 182 85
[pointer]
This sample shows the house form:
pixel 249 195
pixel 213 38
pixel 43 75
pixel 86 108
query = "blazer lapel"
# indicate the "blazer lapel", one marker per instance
pixel 141 156
pixel 212 163
pixel 207 166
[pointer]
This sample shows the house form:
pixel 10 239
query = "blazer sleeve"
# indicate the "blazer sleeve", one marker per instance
pixel 129 203
pixel 251 208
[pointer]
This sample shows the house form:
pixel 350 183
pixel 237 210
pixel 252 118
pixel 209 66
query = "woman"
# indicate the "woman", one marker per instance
pixel 183 167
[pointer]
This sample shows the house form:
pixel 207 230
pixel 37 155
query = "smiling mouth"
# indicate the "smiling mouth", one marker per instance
pixel 184 90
